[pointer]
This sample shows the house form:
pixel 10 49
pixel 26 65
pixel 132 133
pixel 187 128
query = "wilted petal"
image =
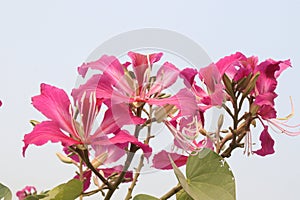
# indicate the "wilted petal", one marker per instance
pixel 166 76
pixel 267 143
pixel 44 132
pixel 161 160
pixel 54 104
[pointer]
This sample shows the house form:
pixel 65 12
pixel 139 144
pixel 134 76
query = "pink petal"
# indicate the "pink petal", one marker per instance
pixel 55 105
pixel 267 112
pixel 283 66
pixel 123 137
pixel 166 76
pixel 141 63
pixel 117 116
pixel 109 65
pixel 97 83
pixel 117 169
pixel 188 76
pixel 161 160
pixel 228 63
pixel 265 99
pixel 267 143
pixel 47 131
pixel 211 76
pixel 180 100
pixel 28 190
pixel 206 143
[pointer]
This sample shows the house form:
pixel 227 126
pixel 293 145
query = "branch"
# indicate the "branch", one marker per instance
pixel 173 191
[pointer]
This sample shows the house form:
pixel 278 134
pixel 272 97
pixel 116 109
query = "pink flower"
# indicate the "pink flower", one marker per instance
pixel 135 87
pixel 63 127
pixel 28 190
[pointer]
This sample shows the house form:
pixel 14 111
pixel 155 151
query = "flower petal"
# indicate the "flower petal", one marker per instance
pixel 55 105
pixel 161 160
pixel 166 76
pixel 47 131
pixel 267 143
pixel 109 65
pixel 117 169
pixel 228 63
pixel 123 137
pixel 115 117
pixel 141 63
pixel 188 76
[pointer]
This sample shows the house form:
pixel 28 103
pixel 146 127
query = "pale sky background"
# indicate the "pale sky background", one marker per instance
pixel 44 41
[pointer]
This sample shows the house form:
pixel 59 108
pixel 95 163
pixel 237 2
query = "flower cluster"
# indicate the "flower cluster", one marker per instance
pixel 135 93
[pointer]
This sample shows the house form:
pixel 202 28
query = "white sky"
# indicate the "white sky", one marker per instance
pixel 44 41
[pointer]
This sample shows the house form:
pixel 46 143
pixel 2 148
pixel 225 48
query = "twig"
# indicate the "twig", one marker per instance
pixel 173 191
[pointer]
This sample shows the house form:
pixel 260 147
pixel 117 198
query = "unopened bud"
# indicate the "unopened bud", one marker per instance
pixel 98 161
pixel 34 122
pixel 220 121
pixel 228 85
pixel 64 159
pixel 163 112
pixel 251 84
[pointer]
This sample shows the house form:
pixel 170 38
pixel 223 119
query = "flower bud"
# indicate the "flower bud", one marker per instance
pixel 96 162
pixel 64 159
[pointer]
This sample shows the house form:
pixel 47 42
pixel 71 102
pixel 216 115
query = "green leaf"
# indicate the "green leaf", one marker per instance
pixel 66 191
pixel 210 177
pixel 36 197
pixel 182 195
pixel 144 197
pixel 5 192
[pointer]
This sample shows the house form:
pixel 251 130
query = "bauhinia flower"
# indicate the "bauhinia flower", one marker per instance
pixel 27 191
pixel 117 84
pixel 63 127
pixel 257 82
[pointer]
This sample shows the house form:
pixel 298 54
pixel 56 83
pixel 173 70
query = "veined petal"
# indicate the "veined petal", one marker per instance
pixel 161 160
pixel 44 132
pixel 166 76
pixel 55 105
pixel 211 76
pixel 267 143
